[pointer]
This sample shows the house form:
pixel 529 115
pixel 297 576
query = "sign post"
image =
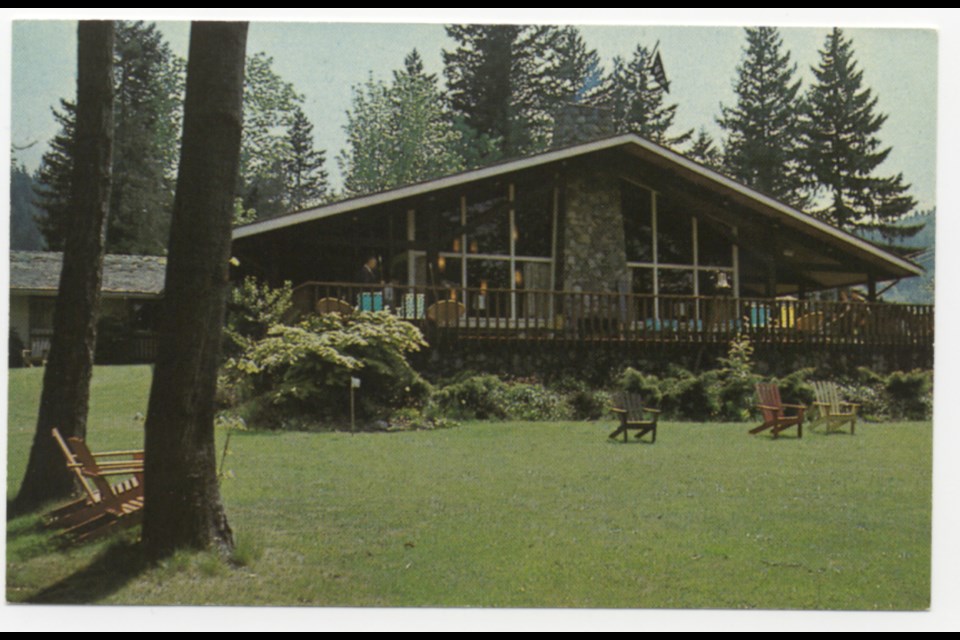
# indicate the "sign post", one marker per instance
pixel 354 384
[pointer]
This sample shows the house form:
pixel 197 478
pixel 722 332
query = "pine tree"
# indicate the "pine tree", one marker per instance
pixel 54 178
pixel 842 151
pixel 705 151
pixel 148 89
pixel 637 100
pixel 762 145
pixel 24 230
pixel 503 82
pixel 399 133
pixel 577 72
pixel 306 179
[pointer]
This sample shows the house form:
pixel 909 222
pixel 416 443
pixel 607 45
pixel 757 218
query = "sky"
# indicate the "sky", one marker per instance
pixel 325 60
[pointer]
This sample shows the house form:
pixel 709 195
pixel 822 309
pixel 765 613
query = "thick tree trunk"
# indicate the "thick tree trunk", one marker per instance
pixel 66 379
pixel 183 507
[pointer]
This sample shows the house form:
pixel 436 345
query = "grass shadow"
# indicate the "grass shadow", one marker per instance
pixel 113 568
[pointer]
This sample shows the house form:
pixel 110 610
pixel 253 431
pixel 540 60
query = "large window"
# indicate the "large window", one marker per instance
pixel 673 251
pixel 504 241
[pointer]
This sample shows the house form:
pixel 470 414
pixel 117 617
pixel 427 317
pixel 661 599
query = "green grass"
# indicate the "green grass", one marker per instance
pixel 517 515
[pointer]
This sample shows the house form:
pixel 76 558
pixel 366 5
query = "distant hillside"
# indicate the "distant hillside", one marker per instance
pixel 915 290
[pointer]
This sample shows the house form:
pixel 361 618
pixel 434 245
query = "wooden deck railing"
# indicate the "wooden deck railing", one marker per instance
pixel 603 316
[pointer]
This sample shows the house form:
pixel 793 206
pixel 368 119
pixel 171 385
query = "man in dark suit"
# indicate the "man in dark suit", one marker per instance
pixel 368 272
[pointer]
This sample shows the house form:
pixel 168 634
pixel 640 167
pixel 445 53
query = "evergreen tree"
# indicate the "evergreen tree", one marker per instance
pixel 705 151
pixel 503 82
pixel 24 230
pixel 842 151
pixel 762 145
pixel 306 179
pixel 637 100
pixel 148 94
pixel 54 178
pixel 577 72
pixel 148 89
pixel 399 133
pixel 269 108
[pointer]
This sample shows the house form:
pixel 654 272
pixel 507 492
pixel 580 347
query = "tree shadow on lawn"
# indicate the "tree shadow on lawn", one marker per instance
pixel 110 570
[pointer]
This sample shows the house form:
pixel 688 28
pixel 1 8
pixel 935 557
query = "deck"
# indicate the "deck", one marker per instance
pixel 529 315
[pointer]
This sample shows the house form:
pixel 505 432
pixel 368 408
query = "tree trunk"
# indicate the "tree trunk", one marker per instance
pixel 182 497
pixel 66 379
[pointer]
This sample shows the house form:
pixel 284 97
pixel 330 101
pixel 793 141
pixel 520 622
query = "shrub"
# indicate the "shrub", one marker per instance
pixel 534 402
pixel 697 397
pixel 305 370
pixel 910 394
pixel 648 386
pixel 479 397
pixel 736 381
pixel 794 388
pixel 253 308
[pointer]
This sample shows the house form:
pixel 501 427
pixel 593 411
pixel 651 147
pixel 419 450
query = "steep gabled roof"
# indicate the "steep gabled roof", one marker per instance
pixel 39 272
pixel 723 186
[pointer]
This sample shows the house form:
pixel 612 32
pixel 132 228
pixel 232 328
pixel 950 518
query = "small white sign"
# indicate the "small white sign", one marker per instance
pixel 354 382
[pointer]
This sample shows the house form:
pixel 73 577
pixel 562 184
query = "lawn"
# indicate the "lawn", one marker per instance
pixel 516 515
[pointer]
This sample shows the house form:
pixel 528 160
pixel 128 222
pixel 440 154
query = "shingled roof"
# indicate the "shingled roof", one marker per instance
pixel 39 271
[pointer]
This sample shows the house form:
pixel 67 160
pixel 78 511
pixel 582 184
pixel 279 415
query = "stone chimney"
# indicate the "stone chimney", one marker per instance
pixel 577 123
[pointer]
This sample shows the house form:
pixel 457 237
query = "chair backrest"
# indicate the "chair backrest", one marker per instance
pixel 446 313
pixel 632 403
pixel 828 394
pixel 769 395
pixel 332 305
pixel 75 465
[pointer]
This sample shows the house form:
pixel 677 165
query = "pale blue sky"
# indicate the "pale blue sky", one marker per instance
pixel 324 60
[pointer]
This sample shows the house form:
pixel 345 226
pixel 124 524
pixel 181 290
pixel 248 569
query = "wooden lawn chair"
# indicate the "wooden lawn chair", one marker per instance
pixel 104 507
pixel 333 305
pixel 831 410
pixel 774 411
pixel 446 313
pixel 629 408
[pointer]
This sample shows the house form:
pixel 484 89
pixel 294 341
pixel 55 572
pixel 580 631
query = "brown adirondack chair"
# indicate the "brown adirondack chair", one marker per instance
pixel 831 410
pixel 774 412
pixel 103 507
pixel 629 408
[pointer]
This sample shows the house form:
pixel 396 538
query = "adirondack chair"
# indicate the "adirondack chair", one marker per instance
pixel 629 408
pixel 775 417
pixel 104 507
pixel 831 410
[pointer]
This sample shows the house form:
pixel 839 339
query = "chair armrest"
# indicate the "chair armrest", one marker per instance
pixel 618 410
pixel 652 410
pixel 796 406
pixel 768 407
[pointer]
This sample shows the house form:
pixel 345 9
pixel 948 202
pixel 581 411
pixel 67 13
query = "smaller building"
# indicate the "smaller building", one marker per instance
pixel 132 289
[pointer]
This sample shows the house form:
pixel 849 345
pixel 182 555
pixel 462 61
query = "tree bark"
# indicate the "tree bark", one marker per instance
pixel 66 379
pixel 183 507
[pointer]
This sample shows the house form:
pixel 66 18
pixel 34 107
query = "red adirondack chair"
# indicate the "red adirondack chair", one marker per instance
pixel 774 412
